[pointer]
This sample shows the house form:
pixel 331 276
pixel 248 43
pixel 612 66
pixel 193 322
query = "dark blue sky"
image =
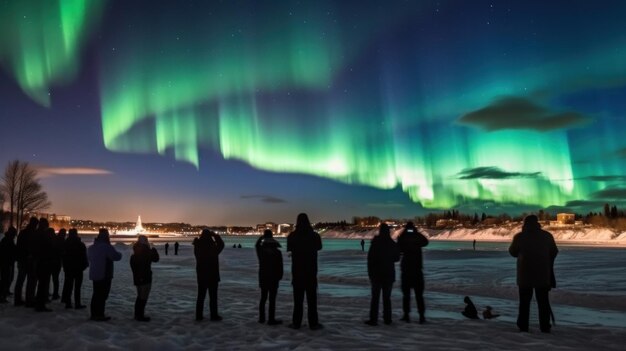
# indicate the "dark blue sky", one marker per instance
pixel 239 112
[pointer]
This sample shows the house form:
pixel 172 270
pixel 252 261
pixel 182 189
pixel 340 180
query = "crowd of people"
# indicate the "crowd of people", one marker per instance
pixel 41 254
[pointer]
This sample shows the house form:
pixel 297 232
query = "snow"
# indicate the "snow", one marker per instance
pixel 588 305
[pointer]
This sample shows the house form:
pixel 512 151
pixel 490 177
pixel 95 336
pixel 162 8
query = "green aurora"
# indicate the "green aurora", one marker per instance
pixel 308 93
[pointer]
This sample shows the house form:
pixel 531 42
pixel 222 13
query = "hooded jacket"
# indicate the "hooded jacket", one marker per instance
pixel 141 263
pixel 207 248
pixel 74 255
pixel 381 259
pixel 101 256
pixel 535 250
pixel 270 262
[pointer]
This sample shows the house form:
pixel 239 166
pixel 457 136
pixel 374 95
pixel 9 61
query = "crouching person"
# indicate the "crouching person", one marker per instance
pixel 141 265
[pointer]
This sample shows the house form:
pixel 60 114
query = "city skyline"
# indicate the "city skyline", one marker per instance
pixel 223 113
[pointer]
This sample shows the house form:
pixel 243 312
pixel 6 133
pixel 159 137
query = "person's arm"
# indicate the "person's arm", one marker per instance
pixel 370 260
pixel 422 240
pixel 219 242
pixel 155 255
pixel 257 247
pixel 113 254
pixel 318 243
pixel 396 252
pixel 280 268
pixel 514 248
pixel 84 258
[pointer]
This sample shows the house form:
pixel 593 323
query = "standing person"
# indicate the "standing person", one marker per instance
pixel 381 259
pixel 25 265
pixel 410 243
pixel 474 244
pixel 8 253
pixel 536 251
pixel 57 261
pixel 44 260
pixel 362 245
pixel 141 265
pixel 74 263
pixel 167 247
pixel 304 243
pixel 207 248
pixel 176 245
pixel 101 256
pixel 270 274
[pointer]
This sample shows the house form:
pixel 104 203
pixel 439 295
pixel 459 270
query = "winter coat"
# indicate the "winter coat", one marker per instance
pixel 410 245
pixel 74 256
pixel 101 256
pixel 207 248
pixel 270 262
pixel 381 258
pixel 24 240
pixel 304 245
pixel 8 252
pixel 141 263
pixel 535 251
pixel 44 250
pixel 57 253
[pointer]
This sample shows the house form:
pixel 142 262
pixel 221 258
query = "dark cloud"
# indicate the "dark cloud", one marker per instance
pixel 584 204
pixel 521 113
pixel 606 178
pixel 493 173
pixel 610 193
pixel 265 198
pixel 621 152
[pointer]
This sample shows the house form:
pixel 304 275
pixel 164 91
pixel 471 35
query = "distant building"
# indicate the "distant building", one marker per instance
pixel 284 229
pixel 566 218
pixel 442 223
pixel 563 219
pixel 267 225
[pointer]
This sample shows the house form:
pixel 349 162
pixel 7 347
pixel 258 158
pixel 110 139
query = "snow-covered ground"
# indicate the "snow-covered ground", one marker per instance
pixel 588 303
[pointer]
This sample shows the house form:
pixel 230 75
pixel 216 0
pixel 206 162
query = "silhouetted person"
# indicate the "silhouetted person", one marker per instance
pixel 488 313
pixel 270 274
pixel 381 258
pixel 474 244
pixel 234 246
pixel 176 246
pixel 207 248
pixel 57 261
pixel 362 245
pixel 410 243
pixel 44 262
pixel 167 247
pixel 26 265
pixel 239 246
pixel 8 254
pixel 470 310
pixel 304 243
pixel 74 263
pixel 101 256
pixel 535 250
pixel 141 265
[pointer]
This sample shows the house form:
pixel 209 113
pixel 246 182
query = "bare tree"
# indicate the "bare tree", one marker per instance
pixel 23 191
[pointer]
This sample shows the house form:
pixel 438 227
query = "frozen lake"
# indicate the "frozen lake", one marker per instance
pixel 588 305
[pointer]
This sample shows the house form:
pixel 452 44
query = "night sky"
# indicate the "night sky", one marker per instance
pixel 237 112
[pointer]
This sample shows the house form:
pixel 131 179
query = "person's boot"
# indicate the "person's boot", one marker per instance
pixel 140 307
pixel 406 318
pixel 422 319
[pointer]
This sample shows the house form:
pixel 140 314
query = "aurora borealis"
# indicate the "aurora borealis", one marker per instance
pixel 471 105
